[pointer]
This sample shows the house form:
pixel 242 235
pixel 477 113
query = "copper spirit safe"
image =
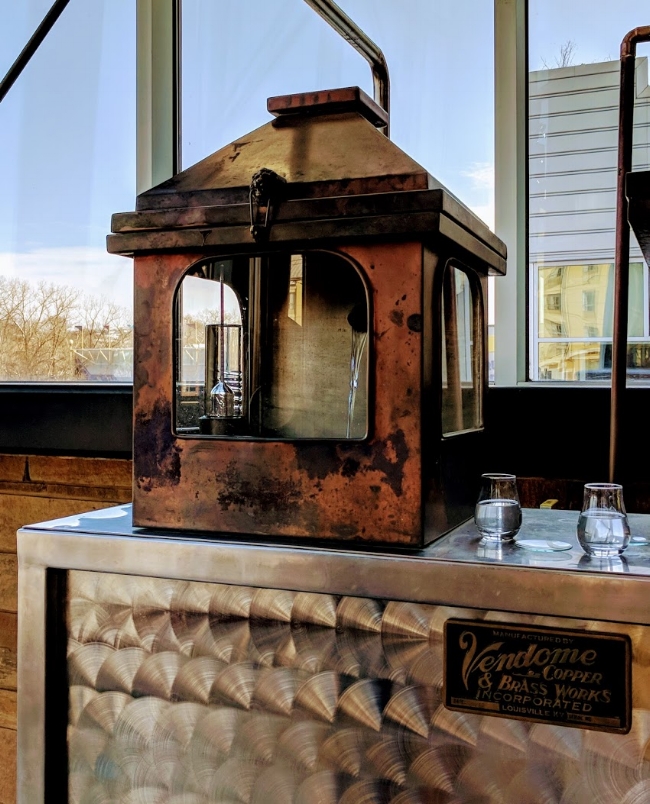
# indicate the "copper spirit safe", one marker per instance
pixel 310 335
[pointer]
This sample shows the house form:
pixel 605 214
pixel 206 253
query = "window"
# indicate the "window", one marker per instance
pixel 588 301
pixel 553 301
pixel 581 317
pixel 67 163
pixel 573 134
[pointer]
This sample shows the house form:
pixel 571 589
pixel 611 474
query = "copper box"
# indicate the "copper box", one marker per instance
pixel 342 192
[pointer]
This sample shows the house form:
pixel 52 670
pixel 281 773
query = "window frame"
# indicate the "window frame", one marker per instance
pixel 49 418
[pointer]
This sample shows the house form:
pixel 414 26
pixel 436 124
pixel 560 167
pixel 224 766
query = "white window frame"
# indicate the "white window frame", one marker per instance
pixel 511 188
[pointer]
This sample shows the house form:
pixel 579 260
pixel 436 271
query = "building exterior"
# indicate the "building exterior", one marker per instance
pixel 573 132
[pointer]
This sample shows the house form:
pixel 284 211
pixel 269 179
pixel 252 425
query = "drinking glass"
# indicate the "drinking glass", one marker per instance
pixel 603 529
pixel 498 513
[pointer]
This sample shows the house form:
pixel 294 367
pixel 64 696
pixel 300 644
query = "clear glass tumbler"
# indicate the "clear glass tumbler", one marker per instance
pixel 603 529
pixel 498 512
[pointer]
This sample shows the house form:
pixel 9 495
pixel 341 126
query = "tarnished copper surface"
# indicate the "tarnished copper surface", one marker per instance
pixel 345 99
pixel 332 148
pixel 275 718
pixel 370 491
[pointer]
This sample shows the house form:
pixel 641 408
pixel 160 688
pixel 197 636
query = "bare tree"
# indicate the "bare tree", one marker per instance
pixel 103 323
pixel 565 57
pixel 43 326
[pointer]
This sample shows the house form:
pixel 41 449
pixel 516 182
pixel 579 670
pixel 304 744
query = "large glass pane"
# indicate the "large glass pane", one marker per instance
pixel 283 47
pixel 67 162
pixel 573 128
pixel 441 72
pixel 273 346
pixel 237 53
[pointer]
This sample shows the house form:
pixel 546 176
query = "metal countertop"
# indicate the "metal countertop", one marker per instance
pixel 460 545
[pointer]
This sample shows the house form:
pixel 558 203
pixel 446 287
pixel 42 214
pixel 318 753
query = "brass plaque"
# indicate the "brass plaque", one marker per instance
pixel 572 678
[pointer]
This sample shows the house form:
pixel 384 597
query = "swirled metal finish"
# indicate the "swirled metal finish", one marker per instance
pixel 190 693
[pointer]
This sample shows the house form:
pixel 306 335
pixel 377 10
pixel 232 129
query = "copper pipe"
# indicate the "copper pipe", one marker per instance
pixel 351 32
pixel 32 46
pixel 622 255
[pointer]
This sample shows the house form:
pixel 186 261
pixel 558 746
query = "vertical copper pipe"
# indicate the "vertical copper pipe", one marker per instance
pixel 351 32
pixel 622 256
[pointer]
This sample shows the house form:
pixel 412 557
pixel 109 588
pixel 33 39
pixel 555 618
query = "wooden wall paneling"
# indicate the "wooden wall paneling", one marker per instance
pixel 8 582
pixel 37 489
pixel 7 766
pixel 8 647
pixel 7 709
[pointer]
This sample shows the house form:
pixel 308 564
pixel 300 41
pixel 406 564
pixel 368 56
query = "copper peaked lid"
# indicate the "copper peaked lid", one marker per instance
pixel 341 175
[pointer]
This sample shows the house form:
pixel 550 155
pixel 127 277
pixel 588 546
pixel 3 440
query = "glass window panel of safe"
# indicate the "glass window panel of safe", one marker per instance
pixel 272 346
pixel 461 345
pixel 573 132
pixel 67 163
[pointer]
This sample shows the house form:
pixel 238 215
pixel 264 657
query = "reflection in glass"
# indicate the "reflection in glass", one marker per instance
pixel 574 322
pixel 590 360
pixel 572 150
pixel 273 346
pixel 461 351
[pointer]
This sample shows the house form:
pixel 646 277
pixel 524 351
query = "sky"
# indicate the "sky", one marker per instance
pixel 67 127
